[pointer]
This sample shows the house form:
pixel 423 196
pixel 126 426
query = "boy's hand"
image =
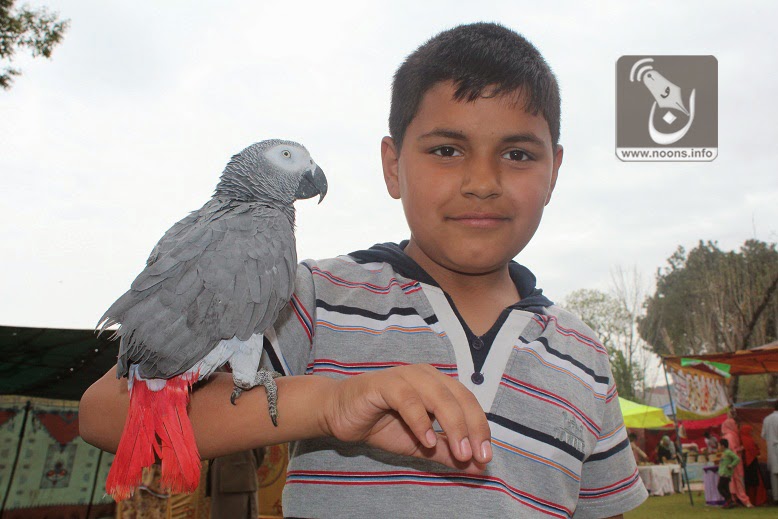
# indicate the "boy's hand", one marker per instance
pixel 391 409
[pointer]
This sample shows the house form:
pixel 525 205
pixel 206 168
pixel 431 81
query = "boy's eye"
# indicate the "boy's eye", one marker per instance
pixel 516 155
pixel 446 151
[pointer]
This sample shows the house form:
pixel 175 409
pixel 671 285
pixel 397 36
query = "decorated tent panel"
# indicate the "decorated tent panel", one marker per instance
pixel 47 469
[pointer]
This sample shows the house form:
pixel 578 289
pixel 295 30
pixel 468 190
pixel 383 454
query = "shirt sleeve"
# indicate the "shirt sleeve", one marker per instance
pixel 610 483
pixel 287 345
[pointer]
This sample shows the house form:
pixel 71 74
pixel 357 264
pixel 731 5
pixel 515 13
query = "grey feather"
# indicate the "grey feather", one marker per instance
pixel 223 271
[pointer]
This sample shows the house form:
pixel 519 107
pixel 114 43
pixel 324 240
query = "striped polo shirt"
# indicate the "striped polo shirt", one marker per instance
pixel 559 442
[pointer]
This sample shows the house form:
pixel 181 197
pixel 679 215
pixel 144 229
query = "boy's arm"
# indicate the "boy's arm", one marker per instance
pixel 388 409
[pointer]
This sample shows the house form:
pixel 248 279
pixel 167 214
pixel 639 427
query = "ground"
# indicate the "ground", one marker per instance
pixel 677 506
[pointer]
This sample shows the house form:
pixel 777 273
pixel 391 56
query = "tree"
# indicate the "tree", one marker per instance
pixel 710 300
pixel 613 318
pixel 36 30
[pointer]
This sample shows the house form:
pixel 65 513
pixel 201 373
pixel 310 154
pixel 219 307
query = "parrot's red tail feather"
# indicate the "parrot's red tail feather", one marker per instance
pixel 157 422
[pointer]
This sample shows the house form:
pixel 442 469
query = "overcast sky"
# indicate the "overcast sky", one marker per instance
pixel 128 127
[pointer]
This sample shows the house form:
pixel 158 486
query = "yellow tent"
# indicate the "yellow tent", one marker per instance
pixel 639 416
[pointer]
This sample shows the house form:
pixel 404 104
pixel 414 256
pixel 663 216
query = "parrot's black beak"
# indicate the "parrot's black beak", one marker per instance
pixel 311 184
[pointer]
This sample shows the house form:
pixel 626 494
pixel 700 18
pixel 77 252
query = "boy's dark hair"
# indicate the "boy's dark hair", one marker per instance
pixel 480 58
pixel 724 442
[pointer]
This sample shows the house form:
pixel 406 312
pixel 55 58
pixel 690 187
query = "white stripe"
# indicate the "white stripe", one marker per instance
pixel 498 356
pixel 540 350
pixel 535 447
pixel 608 443
pixel 456 335
pixel 341 319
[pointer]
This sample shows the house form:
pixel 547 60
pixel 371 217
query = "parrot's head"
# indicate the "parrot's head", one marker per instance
pixel 275 171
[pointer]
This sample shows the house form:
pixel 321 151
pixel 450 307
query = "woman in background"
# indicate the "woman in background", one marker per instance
pixel 729 430
pixel 755 487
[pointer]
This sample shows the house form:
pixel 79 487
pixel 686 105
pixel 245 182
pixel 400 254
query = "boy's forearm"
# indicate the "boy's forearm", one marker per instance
pixel 220 427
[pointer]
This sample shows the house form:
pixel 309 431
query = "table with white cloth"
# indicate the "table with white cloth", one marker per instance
pixel 658 479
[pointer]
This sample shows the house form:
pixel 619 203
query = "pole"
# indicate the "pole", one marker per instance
pixel 678 434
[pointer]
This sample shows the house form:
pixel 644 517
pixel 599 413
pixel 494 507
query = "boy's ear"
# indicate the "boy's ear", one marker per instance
pixel 558 153
pixel 390 162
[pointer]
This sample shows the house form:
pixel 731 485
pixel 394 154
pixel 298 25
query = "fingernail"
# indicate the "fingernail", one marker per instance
pixel 486 450
pixel 464 448
pixel 432 438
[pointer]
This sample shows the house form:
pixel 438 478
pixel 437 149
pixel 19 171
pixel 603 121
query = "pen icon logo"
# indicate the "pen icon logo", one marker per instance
pixel 667 96
pixel 664 101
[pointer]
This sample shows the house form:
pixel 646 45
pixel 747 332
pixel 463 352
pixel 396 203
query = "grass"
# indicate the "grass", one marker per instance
pixel 677 506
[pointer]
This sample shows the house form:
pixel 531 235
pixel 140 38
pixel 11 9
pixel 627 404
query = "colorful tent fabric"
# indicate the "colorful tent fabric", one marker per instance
pixel 639 416
pixel 755 361
pixel 46 469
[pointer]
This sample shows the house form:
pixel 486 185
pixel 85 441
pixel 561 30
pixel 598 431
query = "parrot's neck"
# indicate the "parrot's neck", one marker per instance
pixel 230 191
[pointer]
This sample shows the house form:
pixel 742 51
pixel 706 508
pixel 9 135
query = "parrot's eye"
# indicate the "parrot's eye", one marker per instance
pixel 286 153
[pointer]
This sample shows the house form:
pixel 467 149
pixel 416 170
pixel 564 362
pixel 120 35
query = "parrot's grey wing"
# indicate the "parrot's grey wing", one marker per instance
pixel 171 235
pixel 219 277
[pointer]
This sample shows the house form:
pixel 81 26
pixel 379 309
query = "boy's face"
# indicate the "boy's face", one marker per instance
pixel 473 178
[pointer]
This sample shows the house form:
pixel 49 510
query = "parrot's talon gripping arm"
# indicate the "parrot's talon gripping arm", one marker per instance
pixel 235 394
pixel 267 379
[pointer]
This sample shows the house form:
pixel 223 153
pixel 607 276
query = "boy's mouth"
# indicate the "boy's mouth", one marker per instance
pixel 479 220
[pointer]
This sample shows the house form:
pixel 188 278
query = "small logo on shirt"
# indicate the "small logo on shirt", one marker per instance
pixel 571 432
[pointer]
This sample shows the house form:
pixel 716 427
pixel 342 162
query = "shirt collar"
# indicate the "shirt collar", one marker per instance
pixel 532 298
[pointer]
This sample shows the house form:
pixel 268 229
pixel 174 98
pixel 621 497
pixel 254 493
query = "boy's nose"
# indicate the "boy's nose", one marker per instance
pixel 482 179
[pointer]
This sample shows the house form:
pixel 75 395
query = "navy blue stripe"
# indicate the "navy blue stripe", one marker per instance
pixel 610 452
pixel 271 354
pixel 537 435
pixel 556 353
pixel 352 310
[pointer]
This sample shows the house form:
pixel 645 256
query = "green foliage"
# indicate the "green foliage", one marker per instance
pixel 624 374
pixel 38 31
pixel 710 300
pixel 613 325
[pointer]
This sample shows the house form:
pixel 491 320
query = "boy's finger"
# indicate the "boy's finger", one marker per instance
pixel 478 432
pixel 442 454
pixel 406 401
pixel 438 399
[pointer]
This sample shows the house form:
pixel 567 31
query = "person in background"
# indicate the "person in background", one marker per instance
pixel 666 452
pixel 752 475
pixel 232 485
pixel 770 435
pixel 711 442
pixel 729 460
pixel 730 432
pixel 636 451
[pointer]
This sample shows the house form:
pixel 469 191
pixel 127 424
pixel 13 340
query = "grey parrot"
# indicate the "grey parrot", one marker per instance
pixel 212 285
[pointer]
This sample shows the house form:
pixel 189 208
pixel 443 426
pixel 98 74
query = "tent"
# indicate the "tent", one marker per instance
pixel 755 361
pixel 638 416
pixel 46 469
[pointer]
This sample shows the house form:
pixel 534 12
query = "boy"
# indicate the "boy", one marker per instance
pixel 444 326
pixel 727 465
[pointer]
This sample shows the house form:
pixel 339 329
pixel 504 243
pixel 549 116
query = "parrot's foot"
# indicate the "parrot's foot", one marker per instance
pixel 267 379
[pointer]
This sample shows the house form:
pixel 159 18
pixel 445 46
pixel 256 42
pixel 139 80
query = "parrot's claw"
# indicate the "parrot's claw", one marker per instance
pixel 235 394
pixel 267 379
